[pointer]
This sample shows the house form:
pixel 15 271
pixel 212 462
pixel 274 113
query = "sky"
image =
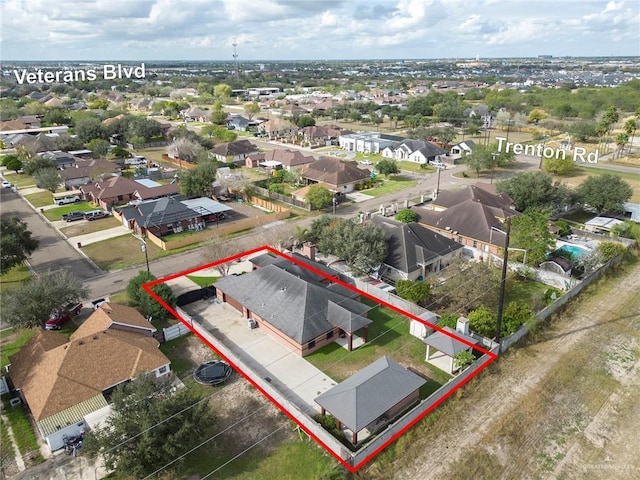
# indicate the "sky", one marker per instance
pixel 139 30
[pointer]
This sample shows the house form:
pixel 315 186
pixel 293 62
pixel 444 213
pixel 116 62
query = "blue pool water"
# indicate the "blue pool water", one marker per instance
pixel 573 250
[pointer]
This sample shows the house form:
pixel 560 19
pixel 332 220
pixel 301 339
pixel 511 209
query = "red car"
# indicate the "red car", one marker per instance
pixel 60 316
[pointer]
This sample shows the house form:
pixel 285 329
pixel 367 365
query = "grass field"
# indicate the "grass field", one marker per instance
pixel 202 281
pixel 582 173
pixel 56 213
pixel 40 199
pixel 11 341
pixel 390 185
pixel 20 180
pixel 75 229
pixel 120 252
pixel 17 274
pixel 387 335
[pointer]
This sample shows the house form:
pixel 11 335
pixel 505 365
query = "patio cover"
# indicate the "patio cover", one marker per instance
pixel 446 344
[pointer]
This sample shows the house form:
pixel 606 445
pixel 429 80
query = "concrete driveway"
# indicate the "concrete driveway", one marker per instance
pixel 298 380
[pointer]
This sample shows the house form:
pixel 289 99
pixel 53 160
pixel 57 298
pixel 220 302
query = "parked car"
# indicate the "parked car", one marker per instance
pixel 365 162
pixel 6 184
pixel 73 216
pixel 60 316
pixel 95 214
pixel 437 163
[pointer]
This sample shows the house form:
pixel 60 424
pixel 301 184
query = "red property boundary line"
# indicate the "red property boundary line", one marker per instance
pixel 492 356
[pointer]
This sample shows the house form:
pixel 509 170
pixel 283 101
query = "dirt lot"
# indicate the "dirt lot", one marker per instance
pixel 564 405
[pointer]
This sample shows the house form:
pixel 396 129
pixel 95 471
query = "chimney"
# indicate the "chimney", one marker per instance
pixel 462 326
pixel 309 250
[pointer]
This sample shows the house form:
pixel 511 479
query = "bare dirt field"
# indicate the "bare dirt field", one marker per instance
pixel 562 405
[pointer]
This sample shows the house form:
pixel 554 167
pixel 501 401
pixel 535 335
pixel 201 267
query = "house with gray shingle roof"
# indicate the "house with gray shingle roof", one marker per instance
pixel 372 397
pixel 302 313
pixel 414 251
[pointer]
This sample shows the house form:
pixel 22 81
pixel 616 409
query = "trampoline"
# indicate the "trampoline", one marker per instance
pixel 213 372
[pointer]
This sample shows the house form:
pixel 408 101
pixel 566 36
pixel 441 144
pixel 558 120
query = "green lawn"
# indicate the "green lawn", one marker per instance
pixel 387 335
pixel 390 185
pixel 291 460
pixel 40 199
pixel 202 281
pixel 13 277
pixel 121 298
pixel 14 345
pixel 20 180
pixel 526 291
pixel 22 431
pixel 56 213
pixel 416 167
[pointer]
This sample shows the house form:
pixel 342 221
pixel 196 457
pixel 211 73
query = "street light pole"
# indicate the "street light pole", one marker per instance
pixel 143 247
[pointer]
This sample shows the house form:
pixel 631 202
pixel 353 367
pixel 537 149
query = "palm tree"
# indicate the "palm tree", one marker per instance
pixel 630 127
pixel 621 140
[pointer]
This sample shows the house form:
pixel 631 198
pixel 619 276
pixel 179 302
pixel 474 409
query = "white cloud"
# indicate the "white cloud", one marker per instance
pixel 299 29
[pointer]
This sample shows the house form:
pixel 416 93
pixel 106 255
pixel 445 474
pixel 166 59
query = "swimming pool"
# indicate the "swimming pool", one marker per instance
pixel 575 250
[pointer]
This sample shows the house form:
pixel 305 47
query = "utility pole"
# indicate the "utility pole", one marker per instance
pixel 503 280
pixel 438 185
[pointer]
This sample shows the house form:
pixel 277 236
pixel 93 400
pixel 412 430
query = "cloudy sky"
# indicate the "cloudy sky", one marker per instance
pixel 314 29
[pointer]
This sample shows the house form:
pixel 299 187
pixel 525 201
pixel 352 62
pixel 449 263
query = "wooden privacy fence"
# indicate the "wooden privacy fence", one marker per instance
pixel 218 231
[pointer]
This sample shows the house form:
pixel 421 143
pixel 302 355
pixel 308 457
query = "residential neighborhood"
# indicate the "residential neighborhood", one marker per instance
pixel 354 253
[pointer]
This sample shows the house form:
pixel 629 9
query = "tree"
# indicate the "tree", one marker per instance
pixel 98 104
pixel 387 167
pixel 12 162
pixel 406 215
pixel 362 246
pixel 605 193
pixel 318 197
pixel 448 320
pixel 515 315
pixel 414 291
pixel 558 165
pixel 251 109
pixel 139 297
pixel 621 141
pixel 478 160
pixel 305 121
pixel 469 286
pixel 67 143
pixel 463 359
pixel 151 422
pixel 222 91
pixel 535 190
pixel 16 243
pixel 483 321
pixel 197 182
pixel 48 178
pixel 119 152
pixel 99 147
pixel 610 250
pixel 584 130
pixel 536 115
pixel 56 116
pixel 29 304
pixel 216 249
pixel 89 128
pixel 630 127
pixel 185 149
pixel 530 232
pixel 36 163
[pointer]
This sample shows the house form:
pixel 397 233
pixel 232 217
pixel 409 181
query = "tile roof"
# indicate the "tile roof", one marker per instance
pixel 369 393
pixel 55 374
